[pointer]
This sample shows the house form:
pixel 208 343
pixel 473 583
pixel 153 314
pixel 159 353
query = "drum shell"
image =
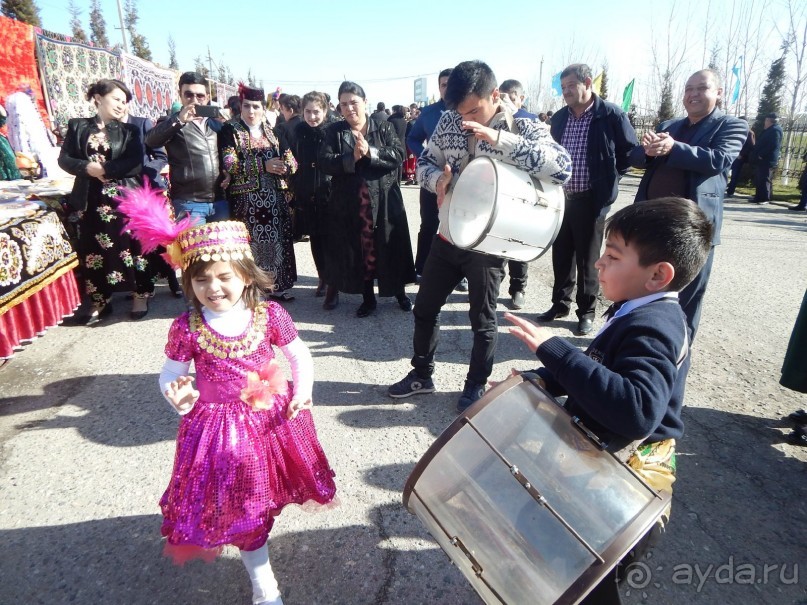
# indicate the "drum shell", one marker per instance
pixel 497 209
pixel 470 500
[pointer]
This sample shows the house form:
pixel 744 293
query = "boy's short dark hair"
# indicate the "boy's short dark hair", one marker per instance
pixel 469 78
pixel 669 229
pixel 192 77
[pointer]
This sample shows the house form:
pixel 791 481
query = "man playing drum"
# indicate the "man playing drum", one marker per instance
pixel 628 385
pixel 477 123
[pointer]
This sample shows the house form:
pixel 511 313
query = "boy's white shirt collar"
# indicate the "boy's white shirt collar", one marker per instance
pixel 635 303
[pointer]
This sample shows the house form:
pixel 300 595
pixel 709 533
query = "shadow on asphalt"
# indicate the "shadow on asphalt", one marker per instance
pixel 114 409
pixel 120 561
pixel 110 561
pixel 716 493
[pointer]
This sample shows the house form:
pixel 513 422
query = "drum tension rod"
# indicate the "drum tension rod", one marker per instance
pixel 475 566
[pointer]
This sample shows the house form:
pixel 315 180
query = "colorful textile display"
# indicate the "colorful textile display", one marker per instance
pixel 153 88
pixel 68 70
pixel 18 66
pixel 33 252
pixel 224 92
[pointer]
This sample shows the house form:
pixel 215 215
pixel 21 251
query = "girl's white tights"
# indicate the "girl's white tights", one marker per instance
pixel 264 585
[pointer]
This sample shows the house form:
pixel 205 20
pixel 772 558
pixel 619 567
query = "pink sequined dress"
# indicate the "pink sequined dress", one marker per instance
pixel 235 467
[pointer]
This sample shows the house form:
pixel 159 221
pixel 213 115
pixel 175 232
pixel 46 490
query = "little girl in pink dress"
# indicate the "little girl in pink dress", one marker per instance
pixel 246 445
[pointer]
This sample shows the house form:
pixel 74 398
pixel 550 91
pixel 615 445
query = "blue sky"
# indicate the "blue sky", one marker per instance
pixel 384 46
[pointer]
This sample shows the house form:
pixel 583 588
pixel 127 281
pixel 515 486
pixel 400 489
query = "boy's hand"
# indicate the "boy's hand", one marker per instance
pixel 296 406
pixel 527 332
pixel 182 395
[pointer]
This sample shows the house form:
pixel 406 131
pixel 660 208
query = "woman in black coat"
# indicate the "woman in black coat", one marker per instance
pixel 368 237
pixel 102 152
pixel 312 186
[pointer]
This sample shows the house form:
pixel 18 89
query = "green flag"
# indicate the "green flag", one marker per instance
pixel 627 96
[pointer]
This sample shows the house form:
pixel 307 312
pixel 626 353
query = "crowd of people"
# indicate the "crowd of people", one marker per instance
pixel 247 181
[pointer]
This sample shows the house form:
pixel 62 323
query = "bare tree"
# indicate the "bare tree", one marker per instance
pixel 669 52
pixel 796 46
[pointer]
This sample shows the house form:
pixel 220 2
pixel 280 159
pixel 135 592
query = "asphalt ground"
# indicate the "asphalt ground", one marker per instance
pixel 87 443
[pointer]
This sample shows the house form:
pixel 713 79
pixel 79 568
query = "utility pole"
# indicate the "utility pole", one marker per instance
pixel 122 28
pixel 541 72
pixel 210 75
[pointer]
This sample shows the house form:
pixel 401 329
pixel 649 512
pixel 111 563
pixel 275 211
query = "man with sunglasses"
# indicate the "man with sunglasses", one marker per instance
pixel 191 142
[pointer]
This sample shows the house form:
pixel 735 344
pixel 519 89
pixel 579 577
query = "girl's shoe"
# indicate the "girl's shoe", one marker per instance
pixel 281 296
pixel 320 291
pixel 331 299
pixel 140 299
pixel 366 309
pixel 98 314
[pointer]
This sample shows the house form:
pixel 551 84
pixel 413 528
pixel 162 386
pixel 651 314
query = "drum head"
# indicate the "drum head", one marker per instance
pixel 472 202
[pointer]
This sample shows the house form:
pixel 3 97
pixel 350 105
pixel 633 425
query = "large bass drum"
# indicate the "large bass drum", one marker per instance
pixel 498 209
pixel 525 503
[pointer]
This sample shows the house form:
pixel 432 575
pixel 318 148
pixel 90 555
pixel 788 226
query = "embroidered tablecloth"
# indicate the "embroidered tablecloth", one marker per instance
pixel 37 286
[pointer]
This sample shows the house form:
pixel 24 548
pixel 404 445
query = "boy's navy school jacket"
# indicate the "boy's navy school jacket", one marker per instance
pixel 627 385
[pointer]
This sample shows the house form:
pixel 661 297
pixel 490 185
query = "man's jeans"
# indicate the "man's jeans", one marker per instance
pixel 202 212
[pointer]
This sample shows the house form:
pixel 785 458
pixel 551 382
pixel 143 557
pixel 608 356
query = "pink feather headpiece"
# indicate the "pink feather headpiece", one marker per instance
pixel 149 219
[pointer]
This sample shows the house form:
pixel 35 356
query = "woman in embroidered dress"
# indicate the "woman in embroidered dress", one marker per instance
pixel 246 445
pixel 368 237
pixel 256 167
pixel 101 152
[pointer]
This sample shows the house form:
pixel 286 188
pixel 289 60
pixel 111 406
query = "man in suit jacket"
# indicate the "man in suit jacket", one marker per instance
pixel 766 156
pixel 689 157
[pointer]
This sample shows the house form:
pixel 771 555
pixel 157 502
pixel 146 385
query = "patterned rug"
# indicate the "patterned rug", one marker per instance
pixel 68 70
pixel 224 92
pixel 153 89
pixel 19 62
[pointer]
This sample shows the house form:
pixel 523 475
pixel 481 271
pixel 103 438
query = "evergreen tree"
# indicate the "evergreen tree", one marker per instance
pixel 98 25
pixel 771 99
pixel 172 53
pixel 79 35
pixel 250 79
pixel 604 83
pixel 200 68
pixel 665 110
pixel 22 10
pixel 137 42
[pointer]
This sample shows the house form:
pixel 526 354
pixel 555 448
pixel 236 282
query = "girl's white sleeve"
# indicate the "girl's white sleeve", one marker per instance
pixel 302 368
pixel 171 371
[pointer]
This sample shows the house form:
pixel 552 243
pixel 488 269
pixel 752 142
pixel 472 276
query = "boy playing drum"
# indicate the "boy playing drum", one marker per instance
pixel 628 385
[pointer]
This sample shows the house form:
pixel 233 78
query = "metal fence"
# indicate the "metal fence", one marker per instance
pixel 793 156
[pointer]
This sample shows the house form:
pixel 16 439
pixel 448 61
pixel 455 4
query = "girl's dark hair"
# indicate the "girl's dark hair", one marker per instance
pixel 351 88
pixel 247 270
pixel 317 98
pixel 291 102
pixel 105 86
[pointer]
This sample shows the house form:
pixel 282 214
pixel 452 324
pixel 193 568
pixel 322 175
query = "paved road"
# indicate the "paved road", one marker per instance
pixel 86 446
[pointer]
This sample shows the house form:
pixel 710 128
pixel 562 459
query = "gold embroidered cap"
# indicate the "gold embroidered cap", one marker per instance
pixel 222 240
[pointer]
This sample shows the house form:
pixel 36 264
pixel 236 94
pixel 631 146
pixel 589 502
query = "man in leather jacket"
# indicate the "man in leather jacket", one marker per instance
pixel 191 143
